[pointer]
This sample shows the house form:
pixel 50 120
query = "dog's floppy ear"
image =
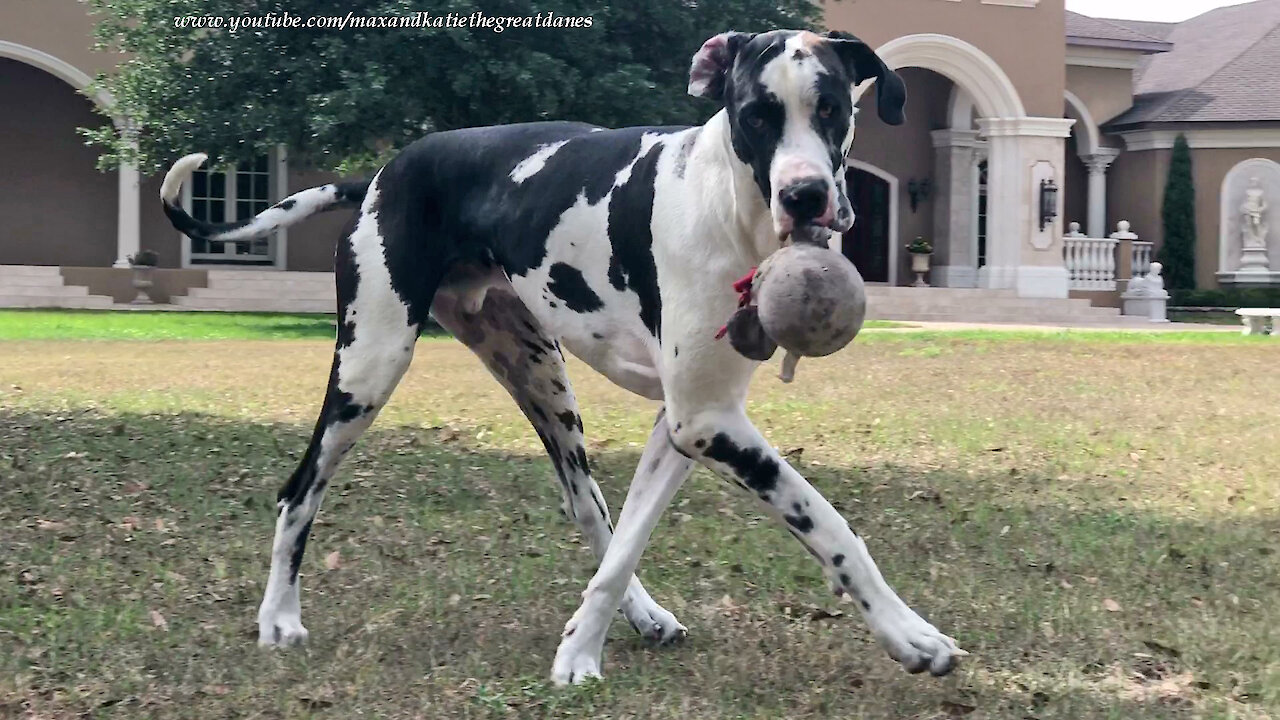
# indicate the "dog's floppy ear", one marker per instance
pixel 863 64
pixel 712 63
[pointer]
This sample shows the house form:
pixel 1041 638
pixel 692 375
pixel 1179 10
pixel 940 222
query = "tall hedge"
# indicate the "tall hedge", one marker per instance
pixel 1178 253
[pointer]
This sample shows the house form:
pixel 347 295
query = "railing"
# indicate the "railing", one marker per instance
pixel 1091 262
pixel 1095 264
pixel 1142 251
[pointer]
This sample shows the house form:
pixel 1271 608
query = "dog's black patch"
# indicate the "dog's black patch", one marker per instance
pixel 631 235
pixel 570 420
pixel 803 523
pixel 837 559
pixel 568 284
pixel 756 469
pixel 286 205
pixel 299 548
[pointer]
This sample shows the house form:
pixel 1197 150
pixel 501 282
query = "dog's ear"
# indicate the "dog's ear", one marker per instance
pixel 863 64
pixel 712 63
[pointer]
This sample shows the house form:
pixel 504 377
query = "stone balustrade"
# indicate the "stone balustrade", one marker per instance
pixel 1101 264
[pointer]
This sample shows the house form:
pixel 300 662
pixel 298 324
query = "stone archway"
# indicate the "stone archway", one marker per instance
pixel 1022 151
pixel 129 221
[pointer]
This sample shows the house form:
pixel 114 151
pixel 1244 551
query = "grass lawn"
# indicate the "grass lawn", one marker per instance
pixel 1094 516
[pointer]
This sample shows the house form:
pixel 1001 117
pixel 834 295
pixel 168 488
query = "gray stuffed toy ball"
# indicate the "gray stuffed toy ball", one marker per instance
pixel 811 299
pixel 806 298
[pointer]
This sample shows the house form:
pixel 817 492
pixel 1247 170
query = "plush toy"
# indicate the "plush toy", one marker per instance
pixel 806 298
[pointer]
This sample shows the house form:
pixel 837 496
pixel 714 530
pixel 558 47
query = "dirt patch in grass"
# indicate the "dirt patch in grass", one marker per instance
pixel 1095 520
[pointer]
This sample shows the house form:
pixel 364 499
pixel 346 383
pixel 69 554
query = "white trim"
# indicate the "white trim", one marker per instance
pixel 1203 139
pixel 1086 56
pixel 1226 212
pixel 992 90
pixel 1091 135
pixel 128 216
pixel 281 190
pixel 1043 281
pixel 894 209
pixel 61 69
pixel 960 108
pixel 1026 127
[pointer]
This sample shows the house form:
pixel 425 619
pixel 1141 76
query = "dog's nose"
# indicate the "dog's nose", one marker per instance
pixel 805 200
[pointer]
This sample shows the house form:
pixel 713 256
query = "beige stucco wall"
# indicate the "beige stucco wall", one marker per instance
pixel 55 206
pixel 61 28
pixel 1026 42
pixel 1106 92
pixel 1136 190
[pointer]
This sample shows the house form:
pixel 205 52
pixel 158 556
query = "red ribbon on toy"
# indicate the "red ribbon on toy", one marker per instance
pixel 743 287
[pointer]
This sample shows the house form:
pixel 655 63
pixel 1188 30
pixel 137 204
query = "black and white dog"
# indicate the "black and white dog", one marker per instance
pixel 620 246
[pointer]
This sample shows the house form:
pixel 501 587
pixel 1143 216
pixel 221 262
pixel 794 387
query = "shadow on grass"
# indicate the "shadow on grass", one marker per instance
pixel 440 575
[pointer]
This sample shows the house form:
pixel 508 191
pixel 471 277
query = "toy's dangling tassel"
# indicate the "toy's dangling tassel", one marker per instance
pixel 743 287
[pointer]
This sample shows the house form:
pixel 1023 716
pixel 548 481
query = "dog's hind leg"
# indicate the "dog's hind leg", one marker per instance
pixel 376 337
pixel 495 324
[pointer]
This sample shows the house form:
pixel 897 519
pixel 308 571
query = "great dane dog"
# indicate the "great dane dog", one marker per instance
pixel 620 246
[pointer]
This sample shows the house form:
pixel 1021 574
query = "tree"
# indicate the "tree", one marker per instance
pixel 1178 253
pixel 348 98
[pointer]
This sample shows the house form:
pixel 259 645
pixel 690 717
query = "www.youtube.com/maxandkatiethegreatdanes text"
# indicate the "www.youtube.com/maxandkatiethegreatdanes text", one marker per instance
pixel 416 20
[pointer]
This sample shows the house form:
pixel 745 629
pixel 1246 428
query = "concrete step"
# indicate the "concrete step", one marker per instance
pixel 39 271
pixel 1014 318
pixel 44 290
pixel 283 283
pixel 239 304
pixel 962 293
pixel 268 275
pixel 55 301
pixel 264 293
pixel 9 281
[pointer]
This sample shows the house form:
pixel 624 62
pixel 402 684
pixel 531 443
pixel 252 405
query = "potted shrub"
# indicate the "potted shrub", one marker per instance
pixel 144 266
pixel 920 250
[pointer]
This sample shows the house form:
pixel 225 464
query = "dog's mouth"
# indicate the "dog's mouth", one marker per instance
pixel 819 235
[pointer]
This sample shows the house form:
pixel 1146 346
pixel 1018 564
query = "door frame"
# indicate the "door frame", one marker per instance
pixel 278 189
pixel 851 164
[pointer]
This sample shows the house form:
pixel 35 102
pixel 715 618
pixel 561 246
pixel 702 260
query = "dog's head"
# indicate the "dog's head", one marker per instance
pixel 789 100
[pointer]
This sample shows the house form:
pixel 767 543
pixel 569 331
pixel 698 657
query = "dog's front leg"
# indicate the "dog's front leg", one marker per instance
pixel 661 472
pixel 727 442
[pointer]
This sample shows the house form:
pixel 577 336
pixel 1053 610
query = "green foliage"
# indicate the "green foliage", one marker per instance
pixel 350 98
pixel 920 246
pixel 1178 253
pixel 1229 298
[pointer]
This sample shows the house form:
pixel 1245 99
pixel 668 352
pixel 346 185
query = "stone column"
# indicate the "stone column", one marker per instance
pixel 1020 253
pixel 1097 164
pixel 955 155
pixel 129 213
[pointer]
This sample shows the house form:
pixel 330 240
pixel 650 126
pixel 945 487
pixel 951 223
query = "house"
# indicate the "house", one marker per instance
pixel 1023 118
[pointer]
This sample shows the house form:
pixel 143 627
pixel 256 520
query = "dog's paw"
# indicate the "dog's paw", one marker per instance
pixel 654 623
pixel 917 645
pixel 575 668
pixel 281 632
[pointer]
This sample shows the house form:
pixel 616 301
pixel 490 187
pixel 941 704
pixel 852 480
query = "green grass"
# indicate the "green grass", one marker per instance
pixel 1093 516
pixel 143 325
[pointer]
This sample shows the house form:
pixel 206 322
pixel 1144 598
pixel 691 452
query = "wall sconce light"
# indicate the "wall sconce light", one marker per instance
pixel 919 191
pixel 1048 203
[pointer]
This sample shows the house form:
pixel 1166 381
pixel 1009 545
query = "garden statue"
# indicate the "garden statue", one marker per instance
pixel 1253 229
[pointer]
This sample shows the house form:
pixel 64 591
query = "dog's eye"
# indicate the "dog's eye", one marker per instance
pixel 825 109
pixel 755 121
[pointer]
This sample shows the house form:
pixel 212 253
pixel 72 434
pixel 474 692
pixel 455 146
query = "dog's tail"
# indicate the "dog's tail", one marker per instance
pixel 291 210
